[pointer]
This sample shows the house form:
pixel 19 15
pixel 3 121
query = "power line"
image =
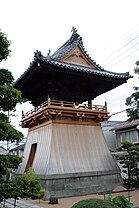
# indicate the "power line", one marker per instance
pixel 132 29
pixel 119 49
pixel 123 58
pixel 121 54
pixel 118 112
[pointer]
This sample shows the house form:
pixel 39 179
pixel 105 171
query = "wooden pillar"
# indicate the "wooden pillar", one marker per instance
pixel 90 103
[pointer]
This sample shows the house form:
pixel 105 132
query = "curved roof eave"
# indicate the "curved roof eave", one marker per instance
pixel 64 50
pixel 83 69
pixel 71 68
pixel 88 70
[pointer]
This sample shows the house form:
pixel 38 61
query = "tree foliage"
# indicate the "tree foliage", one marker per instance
pixel 23 187
pixel 9 97
pixel 120 201
pixel 94 203
pixel 116 202
pixel 7 131
pixel 133 100
pixel 4 47
pixel 6 77
pixel 129 160
pixel 7 162
pixel 27 185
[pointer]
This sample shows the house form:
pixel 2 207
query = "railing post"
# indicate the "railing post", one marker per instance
pixel 105 106
pixel 96 108
pixel 49 102
pixel 22 114
pixel 104 196
pixel 129 196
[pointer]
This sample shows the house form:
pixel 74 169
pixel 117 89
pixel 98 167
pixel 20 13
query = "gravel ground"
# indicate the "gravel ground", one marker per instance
pixel 68 202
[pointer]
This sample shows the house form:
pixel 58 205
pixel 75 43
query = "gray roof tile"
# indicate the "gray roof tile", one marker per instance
pixel 83 69
pixel 126 125
pixel 64 50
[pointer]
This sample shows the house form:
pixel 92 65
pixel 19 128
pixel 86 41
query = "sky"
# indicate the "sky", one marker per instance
pixel 109 29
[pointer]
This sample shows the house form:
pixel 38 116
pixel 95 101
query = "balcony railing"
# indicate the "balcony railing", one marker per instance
pixel 56 104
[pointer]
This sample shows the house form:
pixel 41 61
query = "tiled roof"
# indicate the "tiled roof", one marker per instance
pixel 70 45
pixel 79 68
pixel 67 47
pixel 64 50
pixel 126 124
pixel 21 147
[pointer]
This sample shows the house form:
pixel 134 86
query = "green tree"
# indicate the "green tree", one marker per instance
pixel 129 160
pixel 7 162
pixel 7 131
pixel 4 47
pixel 120 201
pixel 94 203
pixel 133 100
pixel 9 97
pixel 27 185
pixel 23 187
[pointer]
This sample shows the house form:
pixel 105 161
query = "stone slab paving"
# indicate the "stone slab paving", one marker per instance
pixel 19 203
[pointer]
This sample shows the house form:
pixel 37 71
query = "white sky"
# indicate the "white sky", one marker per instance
pixel 109 28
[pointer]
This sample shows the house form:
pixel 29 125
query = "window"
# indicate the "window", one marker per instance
pixel 131 136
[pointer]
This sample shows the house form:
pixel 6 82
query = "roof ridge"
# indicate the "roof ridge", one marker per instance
pixel 72 40
pixel 69 45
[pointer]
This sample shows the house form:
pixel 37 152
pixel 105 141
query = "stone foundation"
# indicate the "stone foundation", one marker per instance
pixel 67 185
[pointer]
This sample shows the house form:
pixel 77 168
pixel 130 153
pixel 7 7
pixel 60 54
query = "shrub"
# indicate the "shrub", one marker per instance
pixel 94 203
pixel 53 200
pixel 122 202
pixel 34 197
pixel 41 193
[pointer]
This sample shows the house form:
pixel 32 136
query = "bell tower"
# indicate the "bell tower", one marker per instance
pixel 65 144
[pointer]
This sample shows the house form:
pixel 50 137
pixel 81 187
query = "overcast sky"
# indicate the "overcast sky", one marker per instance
pixel 109 28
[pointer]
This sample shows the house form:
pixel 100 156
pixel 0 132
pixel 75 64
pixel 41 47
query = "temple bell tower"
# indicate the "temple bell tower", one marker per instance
pixel 65 143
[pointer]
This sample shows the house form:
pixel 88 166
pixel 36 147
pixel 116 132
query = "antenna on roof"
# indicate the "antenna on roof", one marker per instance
pixel 74 30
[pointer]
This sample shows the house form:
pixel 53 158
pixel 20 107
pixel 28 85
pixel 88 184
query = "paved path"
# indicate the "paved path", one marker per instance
pixel 68 202
pixel 22 204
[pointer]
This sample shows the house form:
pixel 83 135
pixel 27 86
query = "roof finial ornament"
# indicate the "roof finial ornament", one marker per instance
pixel 49 51
pixel 74 30
pixel 37 54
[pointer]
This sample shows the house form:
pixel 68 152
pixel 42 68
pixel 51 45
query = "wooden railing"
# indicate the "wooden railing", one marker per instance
pixel 64 105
